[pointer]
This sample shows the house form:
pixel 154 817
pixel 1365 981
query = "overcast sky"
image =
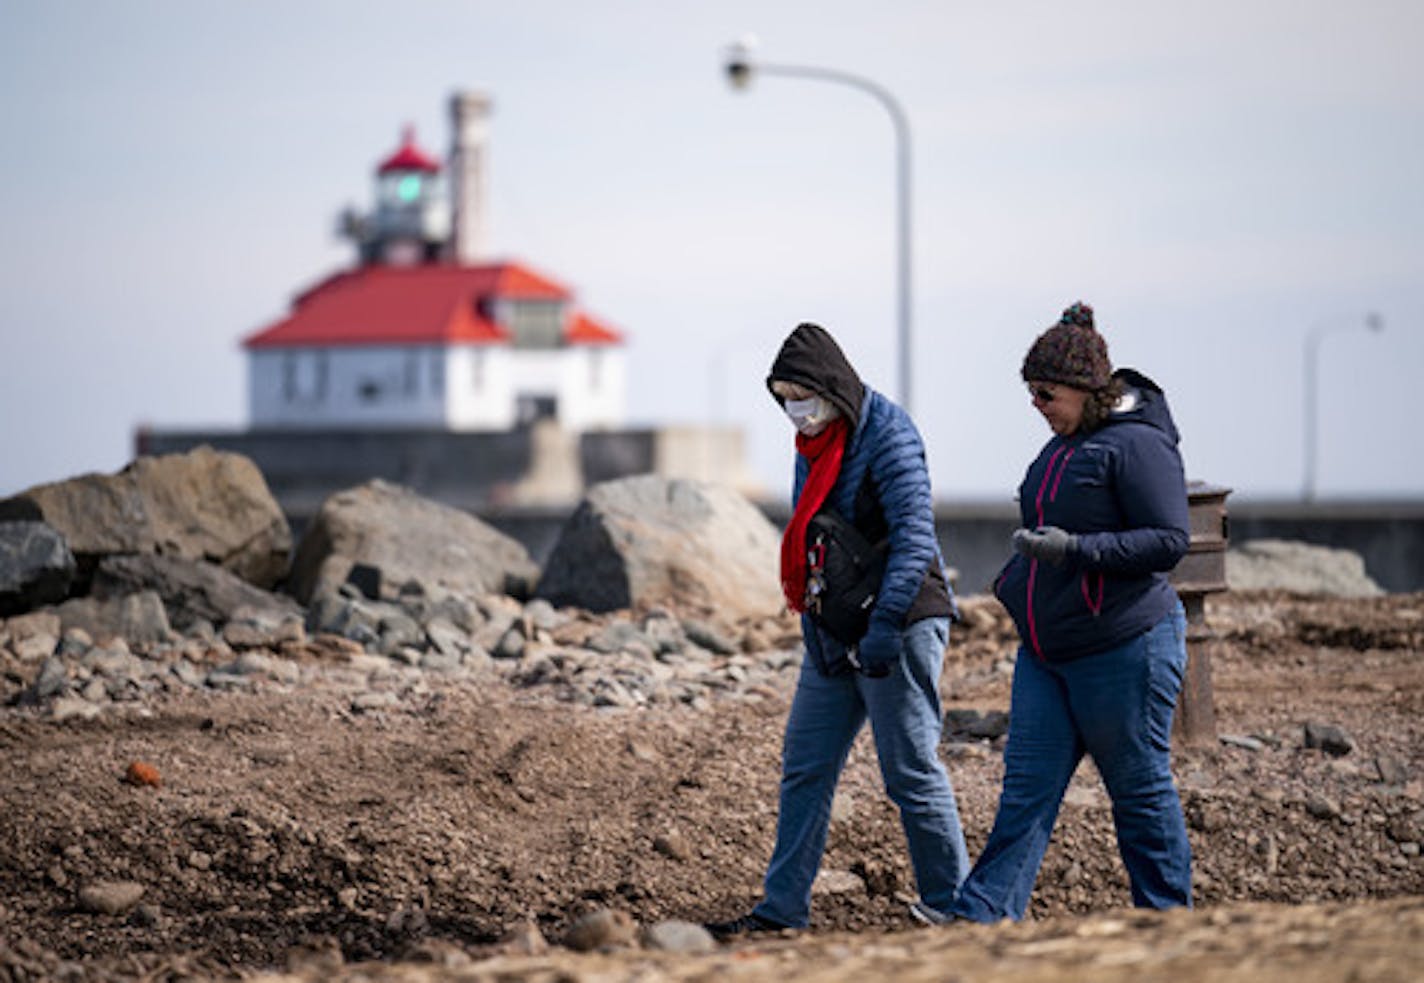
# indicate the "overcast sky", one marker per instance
pixel 1217 177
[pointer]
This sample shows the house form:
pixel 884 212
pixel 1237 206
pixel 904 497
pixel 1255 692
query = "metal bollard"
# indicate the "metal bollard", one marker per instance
pixel 1201 572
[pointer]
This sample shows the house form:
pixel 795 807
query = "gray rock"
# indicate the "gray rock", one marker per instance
pixel 605 928
pixel 266 626
pixel 1322 807
pixel 409 538
pixel 676 936
pixel 72 707
pixel 829 882
pixel 110 897
pixel 36 567
pixel 448 639
pixel 542 615
pixel 703 634
pixel 1391 770
pixel 399 630
pixel 376 700
pixel 648 540
pixel 1242 741
pixel 226 680
pixel 147 916
pixel 32 636
pixel 664 634
pixel 616 636
pixel 139 618
pixel 186 673
pixel 440 661
pixel 1328 738
pixel 510 645
pixel 202 505
pixel 52 680
pixel 194 591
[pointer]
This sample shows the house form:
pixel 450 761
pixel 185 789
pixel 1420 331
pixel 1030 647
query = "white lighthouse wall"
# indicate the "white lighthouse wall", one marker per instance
pixel 480 392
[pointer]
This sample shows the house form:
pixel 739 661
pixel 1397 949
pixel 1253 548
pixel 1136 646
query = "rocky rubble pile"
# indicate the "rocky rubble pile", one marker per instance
pixel 388 594
pixel 383 653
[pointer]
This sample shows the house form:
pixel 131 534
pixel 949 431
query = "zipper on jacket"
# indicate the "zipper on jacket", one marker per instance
pixel 1033 564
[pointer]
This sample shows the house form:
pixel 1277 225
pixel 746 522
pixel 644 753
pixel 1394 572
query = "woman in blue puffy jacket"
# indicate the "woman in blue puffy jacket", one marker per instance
pixel 860 455
pixel 1103 635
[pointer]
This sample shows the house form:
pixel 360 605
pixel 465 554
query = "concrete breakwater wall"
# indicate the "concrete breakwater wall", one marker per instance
pixel 975 536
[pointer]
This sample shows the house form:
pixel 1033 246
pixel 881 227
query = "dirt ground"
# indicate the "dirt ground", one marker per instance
pixel 292 835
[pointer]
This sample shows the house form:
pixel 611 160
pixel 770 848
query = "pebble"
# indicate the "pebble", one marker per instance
pixel 676 936
pixel 1322 807
pixel 110 897
pixel 1328 738
pixel 1242 741
pixel 830 882
pixel 605 928
pixel 365 702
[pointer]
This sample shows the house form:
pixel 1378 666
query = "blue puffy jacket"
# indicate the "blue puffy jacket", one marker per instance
pixel 1122 491
pixel 885 446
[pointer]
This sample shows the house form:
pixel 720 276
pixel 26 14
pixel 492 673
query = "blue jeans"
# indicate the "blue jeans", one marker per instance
pixel 1116 706
pixel 904 712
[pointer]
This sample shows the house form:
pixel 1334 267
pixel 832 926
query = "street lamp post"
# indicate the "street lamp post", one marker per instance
pixel 741 67
pixel 1371 322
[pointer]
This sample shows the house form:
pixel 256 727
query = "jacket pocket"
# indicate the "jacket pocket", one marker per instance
pixel 1092 585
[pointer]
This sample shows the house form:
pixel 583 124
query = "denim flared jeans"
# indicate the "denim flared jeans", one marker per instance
pixel 904 713
pixel 1116 706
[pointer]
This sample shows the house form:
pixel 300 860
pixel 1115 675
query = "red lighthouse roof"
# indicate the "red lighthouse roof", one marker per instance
pixel 409 157
pixel 419 305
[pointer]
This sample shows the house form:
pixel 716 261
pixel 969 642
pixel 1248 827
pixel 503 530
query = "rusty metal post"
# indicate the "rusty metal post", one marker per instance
pixel 1201 572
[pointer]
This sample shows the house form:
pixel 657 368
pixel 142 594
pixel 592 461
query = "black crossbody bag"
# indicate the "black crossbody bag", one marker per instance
pixel 844 569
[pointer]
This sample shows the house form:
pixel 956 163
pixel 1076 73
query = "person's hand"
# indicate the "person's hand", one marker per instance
pixel 1047 543
pixel 878 651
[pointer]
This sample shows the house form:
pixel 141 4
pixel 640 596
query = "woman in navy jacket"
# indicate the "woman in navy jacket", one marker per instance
pixel 1103 635
pixel 860 455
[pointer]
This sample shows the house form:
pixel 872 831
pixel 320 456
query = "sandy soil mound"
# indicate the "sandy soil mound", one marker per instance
pixel 285 825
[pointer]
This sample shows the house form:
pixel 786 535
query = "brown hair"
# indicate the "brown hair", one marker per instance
pixel 1099 405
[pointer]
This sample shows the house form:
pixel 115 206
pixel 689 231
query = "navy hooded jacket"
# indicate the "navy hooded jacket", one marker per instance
pixel 1121 490
pixel 885 452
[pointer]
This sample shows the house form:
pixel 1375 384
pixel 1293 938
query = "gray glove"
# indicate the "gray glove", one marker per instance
pixel 1047 543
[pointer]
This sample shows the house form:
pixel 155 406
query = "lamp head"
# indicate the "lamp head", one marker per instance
pixel 739 64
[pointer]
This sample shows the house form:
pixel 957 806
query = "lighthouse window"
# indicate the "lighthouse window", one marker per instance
pixel 304 376
pixel 537 323
pixel 409 187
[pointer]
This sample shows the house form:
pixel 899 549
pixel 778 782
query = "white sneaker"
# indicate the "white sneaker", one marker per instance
pixel 926 915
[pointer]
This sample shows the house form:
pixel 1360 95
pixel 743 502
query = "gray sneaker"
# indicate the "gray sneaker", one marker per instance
pixel 926 915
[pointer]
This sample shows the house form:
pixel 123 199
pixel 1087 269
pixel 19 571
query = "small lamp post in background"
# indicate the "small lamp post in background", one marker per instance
pixel 1371 322
pixel 741 66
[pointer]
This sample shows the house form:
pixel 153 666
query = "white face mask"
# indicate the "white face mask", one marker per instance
pixel 810 414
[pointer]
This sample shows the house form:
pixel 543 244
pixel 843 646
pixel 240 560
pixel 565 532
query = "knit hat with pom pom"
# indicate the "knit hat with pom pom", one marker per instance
pixel 1071 353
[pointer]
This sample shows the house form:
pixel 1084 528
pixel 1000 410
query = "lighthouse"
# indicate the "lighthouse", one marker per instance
pixel 427 331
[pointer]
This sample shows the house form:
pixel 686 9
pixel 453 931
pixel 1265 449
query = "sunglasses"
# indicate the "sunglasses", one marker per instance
pixel 1041 394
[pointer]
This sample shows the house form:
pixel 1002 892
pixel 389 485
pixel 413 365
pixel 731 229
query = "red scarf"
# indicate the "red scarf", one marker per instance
pixel 824 452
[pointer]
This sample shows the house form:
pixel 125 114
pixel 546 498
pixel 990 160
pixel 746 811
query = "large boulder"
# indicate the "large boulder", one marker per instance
pixel 192 590
pixel 648 540
pixel 203 505
pixel 1278 564
pixel 36 566
pixel 392 535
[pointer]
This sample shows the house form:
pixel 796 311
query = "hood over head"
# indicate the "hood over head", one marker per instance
pixel 1143 401
pixel 810 357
